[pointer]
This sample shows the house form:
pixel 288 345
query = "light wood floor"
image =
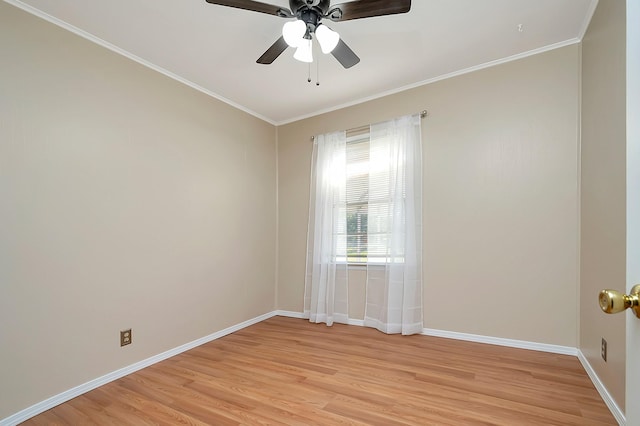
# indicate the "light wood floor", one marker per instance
pixel 287 371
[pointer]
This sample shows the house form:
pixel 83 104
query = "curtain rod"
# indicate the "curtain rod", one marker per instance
pixel 424 113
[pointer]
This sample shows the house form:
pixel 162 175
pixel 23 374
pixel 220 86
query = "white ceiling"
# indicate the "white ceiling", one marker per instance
pixel 214 48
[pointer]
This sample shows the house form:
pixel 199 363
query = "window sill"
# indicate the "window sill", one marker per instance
pixel 363 266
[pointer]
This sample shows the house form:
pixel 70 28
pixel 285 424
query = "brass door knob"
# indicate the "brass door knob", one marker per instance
pixel 612 302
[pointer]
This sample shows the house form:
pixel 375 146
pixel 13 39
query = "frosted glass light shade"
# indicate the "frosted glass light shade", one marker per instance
pixel 293 32
pixel 304 52
pixel 327 38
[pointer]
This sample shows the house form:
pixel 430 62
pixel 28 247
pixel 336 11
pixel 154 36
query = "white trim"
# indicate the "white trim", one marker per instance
pixel 40 14
pixel 55 400
pixel 435 79
pixel 632 371
pixel 290 314
pixel 602 390
pixel 587 19
pixel 521 344
pixel 65 396
pixel 32 10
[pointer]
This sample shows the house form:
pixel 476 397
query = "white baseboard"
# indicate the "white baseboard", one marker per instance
pixel 292 314
pixel 543 347
pixel 521 344
pixel 49 403
pixel 602 390
pixel 65 396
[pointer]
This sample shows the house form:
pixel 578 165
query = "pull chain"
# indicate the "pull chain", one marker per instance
pixel 317 71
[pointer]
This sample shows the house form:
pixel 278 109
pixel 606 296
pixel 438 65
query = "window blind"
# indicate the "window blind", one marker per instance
pixel 364 237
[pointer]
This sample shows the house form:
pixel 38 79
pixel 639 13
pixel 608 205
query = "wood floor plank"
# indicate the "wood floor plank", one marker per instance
pixel 286 371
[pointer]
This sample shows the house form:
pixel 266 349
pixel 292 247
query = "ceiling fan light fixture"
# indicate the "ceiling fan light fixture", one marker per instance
pixel 311 13
pixel 304 52
pixel 293 32
pixel 327 38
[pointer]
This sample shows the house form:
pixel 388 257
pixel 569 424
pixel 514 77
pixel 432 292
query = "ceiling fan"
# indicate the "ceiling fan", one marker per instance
pixel 309 14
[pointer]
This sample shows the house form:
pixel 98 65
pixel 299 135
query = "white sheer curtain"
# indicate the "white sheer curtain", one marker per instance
pixel 326 291
pixel 394 288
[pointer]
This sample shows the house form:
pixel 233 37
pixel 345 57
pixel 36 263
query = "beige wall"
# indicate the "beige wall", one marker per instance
pixel 116 208
pixel 500 198
pixel 603 190
pixel 126 200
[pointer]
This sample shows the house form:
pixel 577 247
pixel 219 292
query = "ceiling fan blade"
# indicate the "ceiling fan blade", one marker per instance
pixel 345 55
pixel 255 6
pixel 273 52
pixel 368 8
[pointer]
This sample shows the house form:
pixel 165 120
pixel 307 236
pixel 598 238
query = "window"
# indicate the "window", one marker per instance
pixel 365 208
pixel 368 202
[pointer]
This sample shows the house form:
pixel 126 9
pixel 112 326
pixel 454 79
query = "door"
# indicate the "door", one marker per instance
pixel 633 209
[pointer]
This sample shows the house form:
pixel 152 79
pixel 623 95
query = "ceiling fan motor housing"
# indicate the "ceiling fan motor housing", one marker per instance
pixel 310 12
pixel 311 19
pixel 320 6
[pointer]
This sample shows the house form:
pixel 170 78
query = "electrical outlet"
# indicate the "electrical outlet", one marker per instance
pixel 125 337
pixel 603 350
